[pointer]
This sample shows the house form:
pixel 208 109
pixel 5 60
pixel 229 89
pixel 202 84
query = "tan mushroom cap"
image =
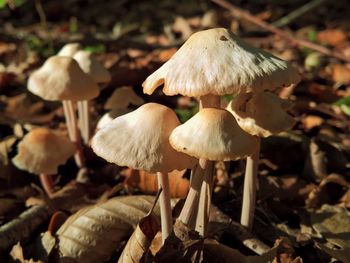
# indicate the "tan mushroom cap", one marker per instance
pixel 91 66
pixel 61 78
pixel 42 151
pixel 213 134
pixel 122 97
pixel 217 62
pixel 262 114
pixel 69 49
pixel 140 140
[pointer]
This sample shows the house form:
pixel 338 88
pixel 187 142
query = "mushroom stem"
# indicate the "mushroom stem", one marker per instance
pixel 84 120
pixel 205 197
pixel 47 183
pixel 165 207
pixel 189 211
pixel 250 185
pixel 73 131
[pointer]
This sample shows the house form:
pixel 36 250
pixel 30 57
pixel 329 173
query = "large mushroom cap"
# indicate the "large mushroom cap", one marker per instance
pixel 213 134
pixel 140 140
pixel 61 78
pixel 122 97
pixel 91 66
pixel 262 114
pixel 110 116
pixel 42 151
pixel 69 49
pixel 216 61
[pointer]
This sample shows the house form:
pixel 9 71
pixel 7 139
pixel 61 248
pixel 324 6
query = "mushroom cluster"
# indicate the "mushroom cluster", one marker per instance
pixel 211 63
pixel 72 77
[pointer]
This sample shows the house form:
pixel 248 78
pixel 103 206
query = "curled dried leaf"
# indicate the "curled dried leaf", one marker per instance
pixel 93 233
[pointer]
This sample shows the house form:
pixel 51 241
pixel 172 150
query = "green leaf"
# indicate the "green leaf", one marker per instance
pixel 2 3
pixel 99 48
pixel 345 109
pixel 343 101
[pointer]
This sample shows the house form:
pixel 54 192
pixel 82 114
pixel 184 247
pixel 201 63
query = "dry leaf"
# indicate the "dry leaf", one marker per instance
pixel 332 37
pixel 5 147
pixel 140 241
pixel 333 223
pixel 147 182
pixel 311 121
pixel 340 73
pixel 342 254
pixel 316 162
pixel 182 26
pixel 330 190
pixel 17 254
pixel 93 233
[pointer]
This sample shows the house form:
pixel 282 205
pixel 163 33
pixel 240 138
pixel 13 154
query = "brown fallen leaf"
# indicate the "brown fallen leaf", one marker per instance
pixel 93 233
pixel 316 163
pixel 340 73
pixel 137 248
pixel 17 254
pixel 332 37
pixel 330 190
pixel 147 182
pixel 341 254
pixel 311 121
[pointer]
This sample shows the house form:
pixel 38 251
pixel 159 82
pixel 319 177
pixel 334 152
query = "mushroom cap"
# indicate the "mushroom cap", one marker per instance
pixel 91 66
pixel 262 114
pixel 42 151
pixel 216 61
pixel 69 49
pixel 213 134
pixel 61 78
pixel 122 97
pixel 110 116
pixel 140 140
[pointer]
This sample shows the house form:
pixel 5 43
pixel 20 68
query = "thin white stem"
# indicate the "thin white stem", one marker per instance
pixel 188 213
pixel 165 207
pixel 73 131
pixel 47 183
pixel 84 120
pixel 249 190
pixel 205 197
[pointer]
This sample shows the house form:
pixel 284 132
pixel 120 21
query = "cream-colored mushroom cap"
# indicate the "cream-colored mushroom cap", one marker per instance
pixel 61 78
pixel 42 151
pixel 262 114
pixel 91 66
pixel 140 140
pixel 122 97
pixel 110 116
pixel 216 61
pixel 213 134
pixel 69 49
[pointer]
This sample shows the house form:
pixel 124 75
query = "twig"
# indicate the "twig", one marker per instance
pixel 240 13
pixel 297 13
pixel 22 226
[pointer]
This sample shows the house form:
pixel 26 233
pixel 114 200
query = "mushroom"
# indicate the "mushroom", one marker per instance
pixel 40 152
pixel 91 66
pixel 140 140
pixel 122 97
pixel 69 49
pixel 212 134
pixel 260 114
pixel 216 62
pixel 61 79
pixel 119 103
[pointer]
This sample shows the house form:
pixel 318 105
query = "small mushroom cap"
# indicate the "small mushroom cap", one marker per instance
pixel 91 66
pixel 110 116
pixel 262 114
pixel 61 78
pixel 213 134
pixel 42 151
pixel 216 61
pixel 140 140
pixel 69 49
pixel 122 97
